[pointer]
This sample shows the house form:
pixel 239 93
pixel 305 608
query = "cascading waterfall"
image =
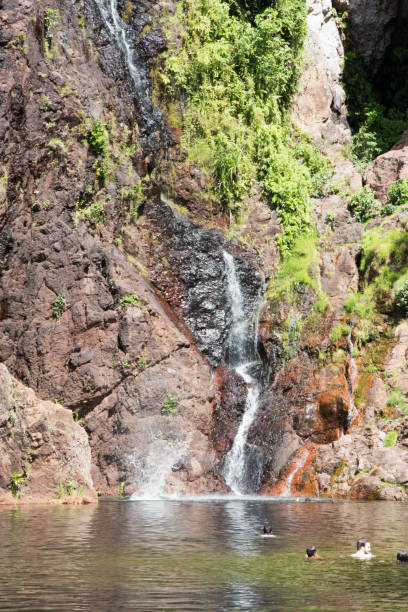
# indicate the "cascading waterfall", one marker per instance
pixel 241 356
pixel 123 37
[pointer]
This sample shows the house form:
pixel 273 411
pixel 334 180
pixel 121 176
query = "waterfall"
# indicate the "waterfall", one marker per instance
pixel 123 37
pixel 241 354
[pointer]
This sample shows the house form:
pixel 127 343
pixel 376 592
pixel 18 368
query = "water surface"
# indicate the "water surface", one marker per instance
pixel 175 555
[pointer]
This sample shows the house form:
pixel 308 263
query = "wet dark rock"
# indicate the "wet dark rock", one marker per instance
pixel 153 129
pixel 195 279
pixel 228 409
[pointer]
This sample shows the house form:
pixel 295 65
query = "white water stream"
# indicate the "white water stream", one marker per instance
pixel 240 345
pixel 117 28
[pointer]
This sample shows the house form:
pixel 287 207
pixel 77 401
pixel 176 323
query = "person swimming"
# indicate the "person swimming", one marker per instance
pixel 267 532
pixel 312 555
pixel 363 550
pixel 402 556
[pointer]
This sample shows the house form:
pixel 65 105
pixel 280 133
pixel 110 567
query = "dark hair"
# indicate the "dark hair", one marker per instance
pixel 362 542
pixel 267 529
pixel 310 551
pixel 402 556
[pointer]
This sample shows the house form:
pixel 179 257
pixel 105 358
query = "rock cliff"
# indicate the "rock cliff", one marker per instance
pixel 113 296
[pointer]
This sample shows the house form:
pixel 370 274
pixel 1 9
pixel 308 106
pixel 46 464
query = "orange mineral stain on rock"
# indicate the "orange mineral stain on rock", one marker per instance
pixel 298 479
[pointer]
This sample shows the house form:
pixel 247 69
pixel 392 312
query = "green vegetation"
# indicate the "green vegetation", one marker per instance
pixel 17 481
pixel 170 405
pixel 377 123
pixel 229 90
pixel 45 103
pixel 122 489
pixel 384 269
pixel 338 331
pixel 97 138
pixel 397 196
pixel 127 11
pixel 135 199
pixel 51 19
pixel 101 168
pixel 391 438
pixel 398 400
pixel 401 297
pixel 141 363
pixel 66 488
pixel 94 212
pixel 330 219
pixel 341 18
pixel 363 205
pixel 19 43
pixel 130 300
pixel 59 305
pixel 298 268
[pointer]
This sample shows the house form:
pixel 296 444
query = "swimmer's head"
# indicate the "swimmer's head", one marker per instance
pixel 363 546
pixel 311 552
pixel 402 556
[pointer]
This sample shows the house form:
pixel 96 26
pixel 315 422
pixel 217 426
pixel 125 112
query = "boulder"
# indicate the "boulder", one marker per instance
pixel 389 167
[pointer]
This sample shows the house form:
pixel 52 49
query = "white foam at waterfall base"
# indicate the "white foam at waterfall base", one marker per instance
pixel 234 471
pixel 154 467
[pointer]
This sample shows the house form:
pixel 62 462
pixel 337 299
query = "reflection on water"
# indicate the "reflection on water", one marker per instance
pixel 175 555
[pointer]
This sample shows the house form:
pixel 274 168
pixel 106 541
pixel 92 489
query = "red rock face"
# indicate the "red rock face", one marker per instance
pixel 388 168
pixel 299 408
pixel 116 364
pixel 45 454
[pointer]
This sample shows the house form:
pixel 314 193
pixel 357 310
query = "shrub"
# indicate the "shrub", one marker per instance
pixel 66 488
pixel 102 170
pixel 336 332
pixel 17 480
pixel 97 139
pixel 135 197
pixel 363 205
pixel 391 438
pixel 141 363
pixel 397 399
pixel 330 219
pixel 232 83
pixel 397 195
pixel 130 300
pixel 170 405
pixel 93 211
pixel 45 103
pixel 19 43
pixel 401 298
pixel 59 305
pixel 51 17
